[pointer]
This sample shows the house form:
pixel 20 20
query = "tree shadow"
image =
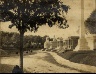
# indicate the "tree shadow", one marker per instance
pixel 6 68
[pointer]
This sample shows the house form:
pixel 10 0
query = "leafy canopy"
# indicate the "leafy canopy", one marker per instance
pixel 30 14
pixel 90 23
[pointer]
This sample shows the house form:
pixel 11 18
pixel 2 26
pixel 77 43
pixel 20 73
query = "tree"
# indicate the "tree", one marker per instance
pixel 30 14
pixel 8 38
pixel 90 23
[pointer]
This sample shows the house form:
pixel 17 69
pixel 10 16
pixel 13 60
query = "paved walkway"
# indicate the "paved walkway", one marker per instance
pixel 80 67
pixel 41 62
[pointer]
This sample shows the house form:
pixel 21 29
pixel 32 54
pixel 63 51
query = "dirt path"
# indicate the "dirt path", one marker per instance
pixel 39 63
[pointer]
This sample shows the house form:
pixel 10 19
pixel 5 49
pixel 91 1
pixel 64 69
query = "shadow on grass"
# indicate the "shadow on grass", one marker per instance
pixel 5 68
pixel 82 57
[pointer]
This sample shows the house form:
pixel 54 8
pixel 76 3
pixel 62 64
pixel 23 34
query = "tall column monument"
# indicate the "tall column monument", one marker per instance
pixel 82 42
pixel 0 34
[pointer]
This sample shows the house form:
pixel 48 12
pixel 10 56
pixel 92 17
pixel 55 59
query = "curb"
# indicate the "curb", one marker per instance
pixel 80 67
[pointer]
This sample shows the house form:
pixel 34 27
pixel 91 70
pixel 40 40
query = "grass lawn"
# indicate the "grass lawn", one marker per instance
pixel 83 57
pixel 6 68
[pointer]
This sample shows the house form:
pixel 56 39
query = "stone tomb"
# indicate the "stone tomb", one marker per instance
pixel 71 42
pixel 91 41
pixel 47 43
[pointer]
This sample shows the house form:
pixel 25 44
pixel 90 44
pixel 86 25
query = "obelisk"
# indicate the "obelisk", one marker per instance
pixel 82 42
pixel 0 34
pixel 0 45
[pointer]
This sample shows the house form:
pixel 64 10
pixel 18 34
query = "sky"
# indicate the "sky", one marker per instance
pixel 73 17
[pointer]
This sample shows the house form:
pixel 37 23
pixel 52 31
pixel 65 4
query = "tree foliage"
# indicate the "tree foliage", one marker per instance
pixel 30 42
pixel 8 39
pixel 30 14
pixel 90 23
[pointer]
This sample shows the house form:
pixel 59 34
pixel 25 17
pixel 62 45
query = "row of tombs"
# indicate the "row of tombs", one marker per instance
pixel 61 45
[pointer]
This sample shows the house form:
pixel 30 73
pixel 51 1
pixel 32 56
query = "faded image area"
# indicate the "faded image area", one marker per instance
pixel 47 36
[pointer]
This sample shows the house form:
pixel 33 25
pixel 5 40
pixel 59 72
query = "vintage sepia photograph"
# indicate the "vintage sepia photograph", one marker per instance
pixel 47 36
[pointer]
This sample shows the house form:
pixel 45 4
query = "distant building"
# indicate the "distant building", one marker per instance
pixel 72 42
pixel 47 43
pixel 91 39
pixel 53 44
pixel 60 45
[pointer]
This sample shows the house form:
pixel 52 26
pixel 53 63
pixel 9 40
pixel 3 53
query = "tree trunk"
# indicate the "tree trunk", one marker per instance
pixel 21 50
